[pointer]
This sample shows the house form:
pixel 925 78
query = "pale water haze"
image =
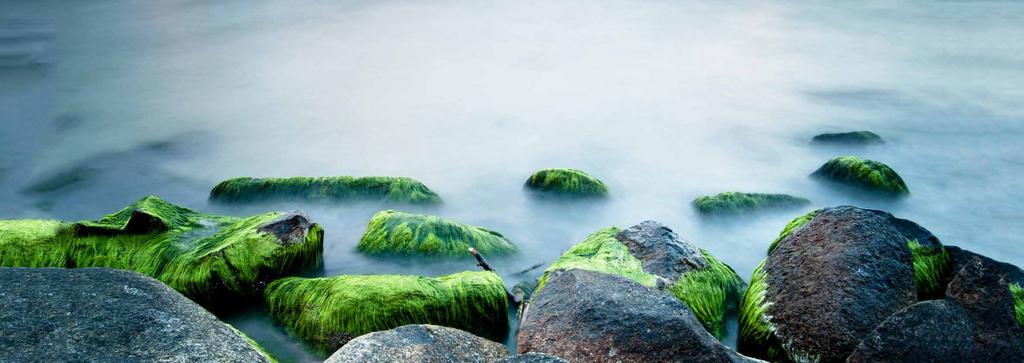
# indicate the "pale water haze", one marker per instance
pixel 104 102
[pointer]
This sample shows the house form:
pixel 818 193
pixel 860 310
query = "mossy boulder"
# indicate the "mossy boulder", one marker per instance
pixel 330 311
pixel 737 202
pixel 406 234
pixel 834 275
pixel 848 138
pixel 109 315
pixel 331 189
pixel 217 261
pixel 862 173
pixel 419 343
pixel 652 255
pixel 566 183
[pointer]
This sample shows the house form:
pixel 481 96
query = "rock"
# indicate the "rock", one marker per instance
pixel 335 189
pixel 928 331
pixel 533 357
pixel 567 183
pixel 848 138
pixel 587 316
pixel 984 295
pixel 865 174
pixel 959 258
pixel 406 234
pixel 419 343
pixel 107 315
pixel 736 202
pixel 826 285
pixel 327 312
pixel 217 261
pixel 654 256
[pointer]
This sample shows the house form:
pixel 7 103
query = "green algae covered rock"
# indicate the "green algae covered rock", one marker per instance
pixel 214 260
pixel 654 256
pixel 337 188
pixel 330 311
pixel 566 182
pixel 863 173
pixel 406 234
pixel 736 202
pixel 848 138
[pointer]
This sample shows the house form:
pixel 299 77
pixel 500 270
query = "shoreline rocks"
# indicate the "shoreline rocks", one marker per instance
pixel 865 174
pixel 736 202
pixel 102 314
pixel 405 234
pixel 566 183
pixel 848 138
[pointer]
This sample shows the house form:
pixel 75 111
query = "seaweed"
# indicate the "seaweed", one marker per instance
pixel 1018 301
pixel 211 259
pixel 566 182
pixel 337 188
pixel 757 333
pixel 601 252
pixel 711 293
pixel 396 233
pixel 930 265
pixel 736 202
pixel 792 226
pixel 866 174
pixel 328 311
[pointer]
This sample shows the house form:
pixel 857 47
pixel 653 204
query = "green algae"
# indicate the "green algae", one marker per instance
pixel 792 226
pixel 853 137
pixel 331 310
pixel 863 173
pixel 736 202
pixel 1018 301
pixel 566 182
pixel 930 265
pixel 601 252
pixel 270 358
pixel 337 188
pixel 396 233
pixel 711 293
pixel 213 260
pixel 757 333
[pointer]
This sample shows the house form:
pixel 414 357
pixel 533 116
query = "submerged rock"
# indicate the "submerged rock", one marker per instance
pixel 566 182
pixel 336 188
pixel 829 282
pixel 653 255
pixel 397 233
pixel 217 261
pixel 108 315
pixel 533 357
pixel 587 316
pixel 848 138
pixel 736 202
pixel 862 173
pixel 419 343
pixel 330 311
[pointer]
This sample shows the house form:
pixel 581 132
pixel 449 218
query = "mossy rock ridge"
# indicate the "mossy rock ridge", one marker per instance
pixel 566 183
pixel 862 173
pixel 738 202
pixel 330 311
pixel 334 188
pixel 406 234
pixel 217 261
pixel 653 255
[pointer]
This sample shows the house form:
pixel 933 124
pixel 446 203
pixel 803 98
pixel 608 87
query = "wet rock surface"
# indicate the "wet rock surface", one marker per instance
pixel 419 343
pixel 662 251
pixel 985 297
pixel 585 316
pixel 289 229
pixel 107 315
pixel 533 357
pixel 834 280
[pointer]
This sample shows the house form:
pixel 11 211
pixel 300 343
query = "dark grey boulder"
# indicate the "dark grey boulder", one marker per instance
pixel 831 282
pixel 586 316
pixel 107 315
pixel 419 343
pixel 986 299
pixel 662 251
pixel 929 331
pixel 910 229
pixel 533 357
pixel 959 257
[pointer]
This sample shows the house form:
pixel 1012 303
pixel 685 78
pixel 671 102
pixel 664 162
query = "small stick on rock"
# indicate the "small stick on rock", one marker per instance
pixel 482 262
pixel 531 268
